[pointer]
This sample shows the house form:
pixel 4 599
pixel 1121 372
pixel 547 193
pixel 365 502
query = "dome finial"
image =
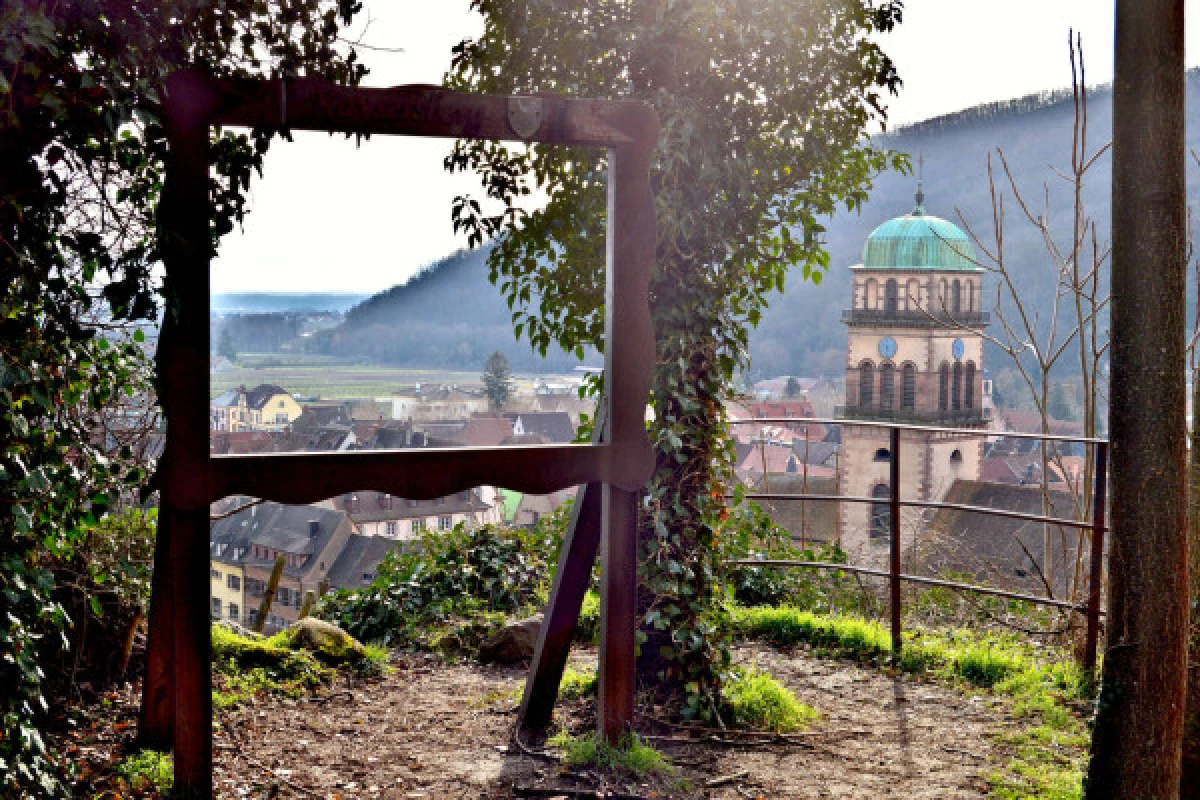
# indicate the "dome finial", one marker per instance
pixel 920 209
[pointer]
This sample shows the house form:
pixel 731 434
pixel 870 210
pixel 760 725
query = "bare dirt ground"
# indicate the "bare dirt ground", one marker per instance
pixel 434 730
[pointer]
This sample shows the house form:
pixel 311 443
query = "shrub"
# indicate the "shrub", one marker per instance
pixel 420 593
pixel 757 700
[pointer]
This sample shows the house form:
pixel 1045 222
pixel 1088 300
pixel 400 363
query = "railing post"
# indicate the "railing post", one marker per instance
pixel 894 569
pixel 1096 578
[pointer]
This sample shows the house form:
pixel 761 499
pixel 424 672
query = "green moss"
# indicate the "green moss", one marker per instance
pixel 148 771
pixel 246 667
pixel 757 700
pixel 633 757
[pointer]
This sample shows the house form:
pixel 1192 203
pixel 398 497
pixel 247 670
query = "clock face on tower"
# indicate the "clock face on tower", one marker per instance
pixel 887 347
pixel 958 348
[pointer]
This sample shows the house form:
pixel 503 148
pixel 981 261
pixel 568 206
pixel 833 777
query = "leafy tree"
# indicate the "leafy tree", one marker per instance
pixel 497 380
pixel 225 346
pixel 83 147
pixel 764 106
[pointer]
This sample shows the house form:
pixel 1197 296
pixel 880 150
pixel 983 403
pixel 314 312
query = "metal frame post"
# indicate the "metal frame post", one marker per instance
pixel 894 560
pixel 1096 571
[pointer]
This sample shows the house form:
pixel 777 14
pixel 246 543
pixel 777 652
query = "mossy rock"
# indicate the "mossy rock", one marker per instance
pixel 326 641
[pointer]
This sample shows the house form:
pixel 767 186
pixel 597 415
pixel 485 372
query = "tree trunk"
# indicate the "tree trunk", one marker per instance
pixel 1136 745
pixel 1190 783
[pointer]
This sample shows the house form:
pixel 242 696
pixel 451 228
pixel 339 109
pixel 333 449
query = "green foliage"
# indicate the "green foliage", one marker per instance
pixel 753 152
pixel 748 532
pixel 632 758
pixel 757 700
pixel 83 148
pixel 497 380
pixel 576 683
pixel 452 588
pixel 148 771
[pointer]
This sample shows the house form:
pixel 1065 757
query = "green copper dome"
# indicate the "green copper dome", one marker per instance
pixel 919 241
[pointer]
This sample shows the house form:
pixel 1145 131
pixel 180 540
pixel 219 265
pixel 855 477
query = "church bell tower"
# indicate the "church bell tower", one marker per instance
pixel 914 355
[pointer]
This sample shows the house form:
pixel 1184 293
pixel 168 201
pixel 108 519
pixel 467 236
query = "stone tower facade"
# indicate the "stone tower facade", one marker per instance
pixel 914 355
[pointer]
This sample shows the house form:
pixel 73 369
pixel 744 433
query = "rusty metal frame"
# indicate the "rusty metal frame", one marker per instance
pixel 177 706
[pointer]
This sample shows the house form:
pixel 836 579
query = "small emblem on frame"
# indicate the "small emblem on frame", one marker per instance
pixel 525 115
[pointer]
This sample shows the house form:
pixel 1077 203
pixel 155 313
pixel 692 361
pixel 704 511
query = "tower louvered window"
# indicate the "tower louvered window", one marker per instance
pixel 866 385
pixel 887 387
pixel 908 392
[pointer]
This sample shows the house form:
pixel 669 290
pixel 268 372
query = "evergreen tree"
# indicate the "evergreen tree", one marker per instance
pixel 497 380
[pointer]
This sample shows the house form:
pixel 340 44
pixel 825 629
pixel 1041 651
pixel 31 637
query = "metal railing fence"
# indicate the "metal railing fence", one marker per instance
pixel 1091 609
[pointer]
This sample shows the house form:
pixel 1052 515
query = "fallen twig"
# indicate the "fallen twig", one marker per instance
pixel 323 699
pixel 725 779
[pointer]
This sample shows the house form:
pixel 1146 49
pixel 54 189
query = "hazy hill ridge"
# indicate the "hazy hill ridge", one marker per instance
pixel 449 315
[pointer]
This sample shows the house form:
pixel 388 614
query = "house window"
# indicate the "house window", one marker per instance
pixel 887 386
pixel 445 523
pixel 866 384
pixel 233 582
pixel 418 525
pixel 234 611
pixel 214 574
pixel 391 529
pixel 908 391
pixel 216 607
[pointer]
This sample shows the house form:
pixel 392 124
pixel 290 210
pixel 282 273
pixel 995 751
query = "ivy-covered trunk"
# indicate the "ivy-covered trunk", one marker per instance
pixel 684 648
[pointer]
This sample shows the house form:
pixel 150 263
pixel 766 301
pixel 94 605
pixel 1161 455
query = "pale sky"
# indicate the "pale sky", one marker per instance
pixel 328 216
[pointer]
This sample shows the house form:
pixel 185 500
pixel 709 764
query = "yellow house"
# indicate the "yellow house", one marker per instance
pixel 271 407
pixel 226 584
pixel 264 408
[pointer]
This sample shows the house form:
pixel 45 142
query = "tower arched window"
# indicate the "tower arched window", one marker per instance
pixel 969 386
pixel 908 389
pixel 891 295
pixel 943 295
pixel 956 387
pixel 881 512
pixel 866 385
pixel 956 296
pixel 943 387
pixel 887 386
pixel 970 296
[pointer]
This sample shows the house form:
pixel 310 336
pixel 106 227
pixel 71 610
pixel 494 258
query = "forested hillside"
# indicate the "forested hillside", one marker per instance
pixel 449 315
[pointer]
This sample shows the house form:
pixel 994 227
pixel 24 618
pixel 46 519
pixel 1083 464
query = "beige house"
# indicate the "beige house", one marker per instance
pixel 381 514
pixel 264 408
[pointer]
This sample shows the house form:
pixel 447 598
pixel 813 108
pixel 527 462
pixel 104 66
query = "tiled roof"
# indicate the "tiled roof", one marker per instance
pixel 361 556
pixel 259 395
